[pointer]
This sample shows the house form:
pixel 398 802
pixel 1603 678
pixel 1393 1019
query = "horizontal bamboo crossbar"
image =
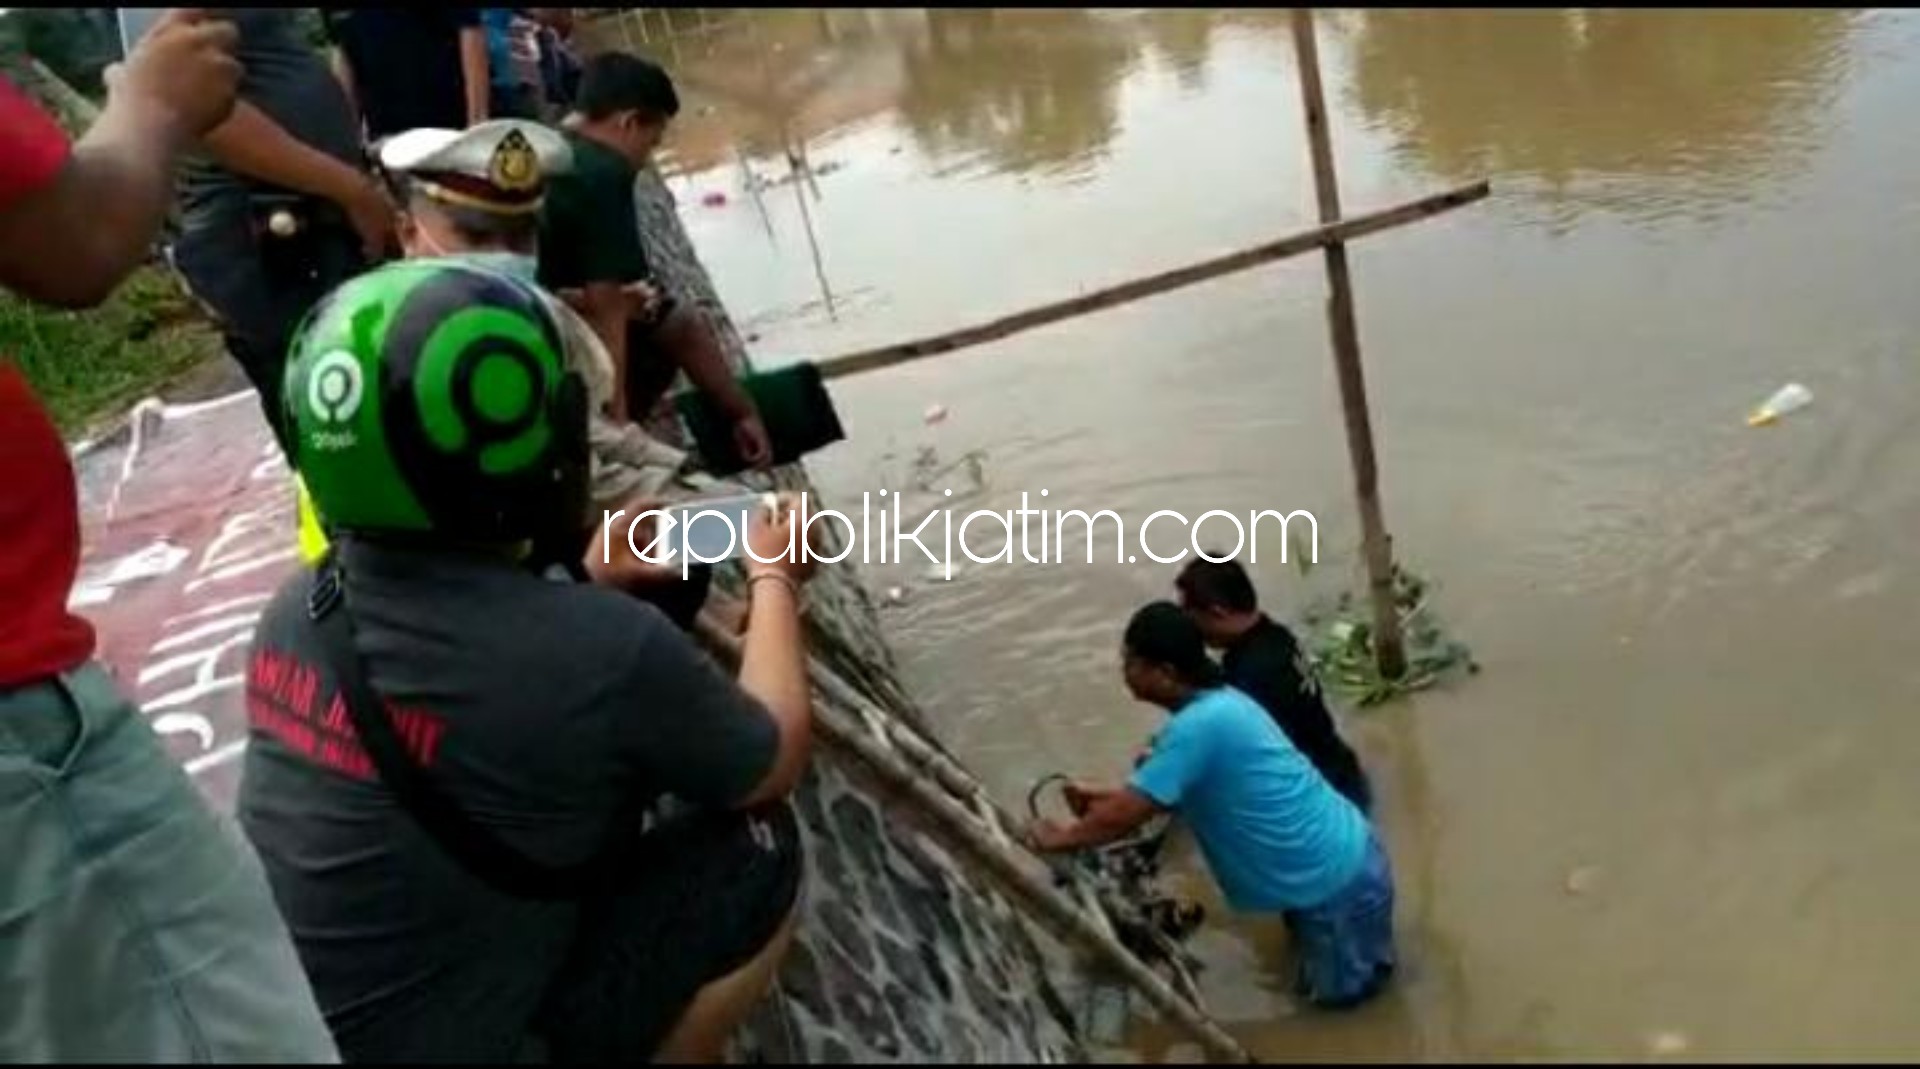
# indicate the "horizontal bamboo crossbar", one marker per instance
pixel 1335 233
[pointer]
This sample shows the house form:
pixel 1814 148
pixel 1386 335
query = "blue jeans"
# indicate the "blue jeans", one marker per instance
pixel 135 925
pixel 1345 945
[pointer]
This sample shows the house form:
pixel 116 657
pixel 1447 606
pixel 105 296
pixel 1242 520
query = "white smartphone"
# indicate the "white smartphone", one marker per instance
pixel 134 24
pixel 715 529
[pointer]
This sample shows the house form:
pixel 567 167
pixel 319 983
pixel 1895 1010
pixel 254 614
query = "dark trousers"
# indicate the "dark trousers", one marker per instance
pixel 261 288
pixel 515 102
pixel 705 895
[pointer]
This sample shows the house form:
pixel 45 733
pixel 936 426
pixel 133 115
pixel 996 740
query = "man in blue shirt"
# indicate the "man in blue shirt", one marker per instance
pixel 1276 836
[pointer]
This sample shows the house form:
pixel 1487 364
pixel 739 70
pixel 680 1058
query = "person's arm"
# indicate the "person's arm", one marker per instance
pixel 1080 796
pixel 773 660
pixel 70 237
pixel 74 223
pixel 739 743
pixel 474 71
pixel 1110 817
pixel 599 229
pixel 605 306
pixel 773 668
pixel 1178 761
pixel 688 338
pixel 250 143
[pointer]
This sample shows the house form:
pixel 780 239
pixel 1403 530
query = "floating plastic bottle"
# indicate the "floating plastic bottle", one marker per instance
pixel 1788 398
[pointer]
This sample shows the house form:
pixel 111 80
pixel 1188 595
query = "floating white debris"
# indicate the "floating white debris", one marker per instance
pixel 1789 398
pixel 896 595
pixel 936 413
pixel 1581 880
pixel 1669 1044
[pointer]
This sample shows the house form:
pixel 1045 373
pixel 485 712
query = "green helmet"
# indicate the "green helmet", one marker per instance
pixel 433 397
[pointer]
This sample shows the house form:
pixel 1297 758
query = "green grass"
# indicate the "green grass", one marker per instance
pixel 88 365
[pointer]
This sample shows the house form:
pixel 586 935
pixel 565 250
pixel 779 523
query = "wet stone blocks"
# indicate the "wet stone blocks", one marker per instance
pixel 941 976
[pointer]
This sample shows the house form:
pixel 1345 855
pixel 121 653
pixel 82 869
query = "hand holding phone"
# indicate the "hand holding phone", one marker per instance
pixel 779 542
pixel 715 529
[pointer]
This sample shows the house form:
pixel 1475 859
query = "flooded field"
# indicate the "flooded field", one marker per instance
pixel 1676 814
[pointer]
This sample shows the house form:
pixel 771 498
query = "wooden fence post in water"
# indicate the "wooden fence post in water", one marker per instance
pixel 1389 646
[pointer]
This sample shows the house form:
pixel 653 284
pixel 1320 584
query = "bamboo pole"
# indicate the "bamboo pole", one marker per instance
pixel 1163 282
pixel 962 828
pixel 801 168
pixel 754 191
pixel 1388 645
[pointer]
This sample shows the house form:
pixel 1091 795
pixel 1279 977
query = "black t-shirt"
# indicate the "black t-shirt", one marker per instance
pixel 1266 664
pixel 288 80
pixel 550 711
pixel 405 63
pixel 589 227
pixel 590 232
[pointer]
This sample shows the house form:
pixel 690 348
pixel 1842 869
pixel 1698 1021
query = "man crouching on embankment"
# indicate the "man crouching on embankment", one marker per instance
pixel 452 753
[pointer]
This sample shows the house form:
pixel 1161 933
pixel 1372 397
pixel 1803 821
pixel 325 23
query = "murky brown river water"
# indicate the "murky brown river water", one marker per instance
pixel 1701 687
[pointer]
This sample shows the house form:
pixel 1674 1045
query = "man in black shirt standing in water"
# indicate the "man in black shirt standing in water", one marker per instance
pixel 1264 661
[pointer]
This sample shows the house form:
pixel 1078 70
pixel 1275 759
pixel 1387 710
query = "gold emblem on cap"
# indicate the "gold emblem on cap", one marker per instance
pixel 514 167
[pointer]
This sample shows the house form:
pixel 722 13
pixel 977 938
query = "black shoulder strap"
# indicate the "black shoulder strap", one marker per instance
pixel 471 846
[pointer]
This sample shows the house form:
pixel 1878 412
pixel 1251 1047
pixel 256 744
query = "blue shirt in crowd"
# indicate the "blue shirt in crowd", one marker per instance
pixel 498 22
pixel 1276 836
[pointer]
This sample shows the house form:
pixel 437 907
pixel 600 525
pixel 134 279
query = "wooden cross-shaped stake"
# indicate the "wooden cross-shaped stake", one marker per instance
pixel 1389 645
pixel 1331 236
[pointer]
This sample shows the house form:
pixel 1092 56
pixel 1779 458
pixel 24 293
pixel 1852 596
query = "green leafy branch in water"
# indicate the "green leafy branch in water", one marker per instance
pixel 1339 643
pixel 928 470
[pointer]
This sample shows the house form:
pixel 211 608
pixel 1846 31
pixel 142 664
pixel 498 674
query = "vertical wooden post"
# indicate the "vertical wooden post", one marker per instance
pixel 801 174
pixel 1389 646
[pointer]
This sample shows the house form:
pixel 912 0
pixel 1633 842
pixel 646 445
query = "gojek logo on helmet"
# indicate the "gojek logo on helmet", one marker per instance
pixel 334 389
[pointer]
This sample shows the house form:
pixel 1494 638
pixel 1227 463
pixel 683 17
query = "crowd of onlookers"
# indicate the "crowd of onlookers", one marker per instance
pixel 458 170
pixel 498 804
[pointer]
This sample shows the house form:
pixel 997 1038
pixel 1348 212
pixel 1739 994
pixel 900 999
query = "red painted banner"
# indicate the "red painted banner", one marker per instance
pixel 189 528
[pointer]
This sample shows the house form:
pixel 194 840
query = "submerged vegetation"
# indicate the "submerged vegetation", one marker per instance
pixel 1338 642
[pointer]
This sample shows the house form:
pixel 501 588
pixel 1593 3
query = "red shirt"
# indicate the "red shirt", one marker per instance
pixel 39 512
